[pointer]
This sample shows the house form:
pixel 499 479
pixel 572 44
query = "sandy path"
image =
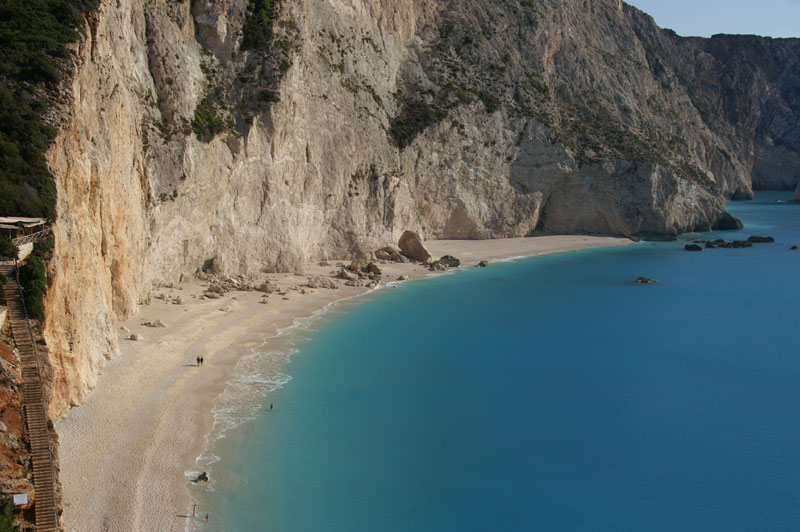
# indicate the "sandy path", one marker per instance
pixel 124 452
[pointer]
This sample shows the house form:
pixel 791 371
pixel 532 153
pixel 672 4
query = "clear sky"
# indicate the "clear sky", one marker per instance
pixel 703 18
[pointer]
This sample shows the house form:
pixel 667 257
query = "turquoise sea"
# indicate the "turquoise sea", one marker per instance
pixel 545 394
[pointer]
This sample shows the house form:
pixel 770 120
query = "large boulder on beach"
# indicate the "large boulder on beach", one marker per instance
pixel 450 261
pixel 318 281
pixel 411 246
pixel 692 247
pixel 760 239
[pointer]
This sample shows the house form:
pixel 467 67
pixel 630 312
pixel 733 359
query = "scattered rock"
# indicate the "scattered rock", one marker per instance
pixel 390 254
pixel 265 287
pixel 450 261
pixel 324 263
pixel 411 246
pixel 125 329
pixel 202 477
pixel 645 280
pixel 437 266
pixel 177 301
pixel 383 255
pixel 373 268
pixel 718 243
pixel 483 263
pixel 347 274
pixel 760 239
pixel 358 265
pixel 157 323
pixel 135 337
pixel 403 278
pixel 217 288
pixel 692 247
pixel 737 244
pixel 319 281
pixel 793 248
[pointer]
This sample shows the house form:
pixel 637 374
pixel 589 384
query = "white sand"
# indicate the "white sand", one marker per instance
pixel 124 452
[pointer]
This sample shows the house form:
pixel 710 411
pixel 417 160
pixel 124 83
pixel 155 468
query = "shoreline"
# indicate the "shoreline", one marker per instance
pixel 125 452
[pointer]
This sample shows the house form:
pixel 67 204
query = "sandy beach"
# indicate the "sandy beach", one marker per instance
pixel 123 453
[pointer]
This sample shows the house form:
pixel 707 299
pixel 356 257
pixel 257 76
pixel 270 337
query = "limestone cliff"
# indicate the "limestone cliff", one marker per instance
pixel 195 133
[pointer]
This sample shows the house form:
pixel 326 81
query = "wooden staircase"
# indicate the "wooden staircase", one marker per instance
pixel 46 511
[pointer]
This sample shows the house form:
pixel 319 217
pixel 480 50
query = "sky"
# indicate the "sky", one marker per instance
pixel 703 18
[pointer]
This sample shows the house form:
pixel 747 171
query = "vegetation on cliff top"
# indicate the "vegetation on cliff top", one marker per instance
pixel 33 39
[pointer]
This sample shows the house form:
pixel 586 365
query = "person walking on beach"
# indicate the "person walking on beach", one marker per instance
pixel 206 517
pixel 194 510
pixel 270 406
pixel 197 360
pixel 201 361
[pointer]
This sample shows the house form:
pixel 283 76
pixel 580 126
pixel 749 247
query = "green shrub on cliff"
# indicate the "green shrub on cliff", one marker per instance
pixel 7 516
pixel 32 277
pixel 206 123
pixel 257 32
pixel 7 248
pixel 414 117
pixel 43 248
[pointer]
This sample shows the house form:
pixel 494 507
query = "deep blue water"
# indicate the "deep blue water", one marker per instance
pixel 548 394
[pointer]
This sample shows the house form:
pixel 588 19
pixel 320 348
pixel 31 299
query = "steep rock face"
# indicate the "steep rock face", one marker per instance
pixel 350 122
